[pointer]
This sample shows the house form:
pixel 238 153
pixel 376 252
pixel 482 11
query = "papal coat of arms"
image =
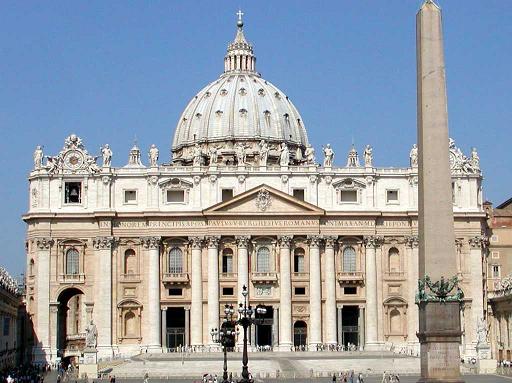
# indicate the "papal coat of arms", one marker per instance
pixel 263 200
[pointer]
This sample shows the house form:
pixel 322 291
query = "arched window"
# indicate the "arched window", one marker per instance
pixel 175 260
pixel 393 260
pixel 349 259
pixel 395 322
pixel 130 324
pixel 298 260
pixel 72 261
pixel 31 267
pixel 130 262
pixel 227 260
pixel 263 259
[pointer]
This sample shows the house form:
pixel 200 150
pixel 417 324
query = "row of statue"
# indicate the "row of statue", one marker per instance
pixel 459 162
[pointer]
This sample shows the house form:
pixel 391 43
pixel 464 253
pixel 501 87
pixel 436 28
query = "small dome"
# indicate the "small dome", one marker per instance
pixel 238 107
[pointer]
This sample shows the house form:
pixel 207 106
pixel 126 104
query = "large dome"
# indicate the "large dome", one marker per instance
pixel 240 108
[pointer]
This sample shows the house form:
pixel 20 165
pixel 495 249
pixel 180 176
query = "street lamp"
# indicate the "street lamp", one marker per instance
pixel 245 319
pixel 225 336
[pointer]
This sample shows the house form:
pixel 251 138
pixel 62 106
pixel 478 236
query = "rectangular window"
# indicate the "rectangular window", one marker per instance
pixel 495 271
pixel 495 254
pixel 130 196
pixel 299 194
pixel 73 192
pixel 350 290
pixel 7 325
pixel 298 263
pixel 300 291
pixel 227 263
pixel 348 196
pixel 227 194
pixel 228 291
pixel 175 196
pixel 392 196
pixel 175 292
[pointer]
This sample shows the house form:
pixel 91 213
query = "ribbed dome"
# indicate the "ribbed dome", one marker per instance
pixel 238 107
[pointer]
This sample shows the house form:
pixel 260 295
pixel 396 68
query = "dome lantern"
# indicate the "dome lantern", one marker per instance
pixel 240 55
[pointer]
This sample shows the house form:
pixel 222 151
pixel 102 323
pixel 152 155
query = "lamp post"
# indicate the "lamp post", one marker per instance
pixel 245 319
pixel 225 336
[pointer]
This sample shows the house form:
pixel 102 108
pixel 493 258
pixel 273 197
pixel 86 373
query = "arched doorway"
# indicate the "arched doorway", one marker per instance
pixel 300 334
pixel 71 321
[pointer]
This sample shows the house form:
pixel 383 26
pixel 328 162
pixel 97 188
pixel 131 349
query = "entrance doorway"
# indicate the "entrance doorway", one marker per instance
pixel 70 320
pixel 300 334
pixel 175 327
pixel 350 326
pixel 264 327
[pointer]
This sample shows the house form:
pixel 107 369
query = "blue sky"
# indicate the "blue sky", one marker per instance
pixel 111 71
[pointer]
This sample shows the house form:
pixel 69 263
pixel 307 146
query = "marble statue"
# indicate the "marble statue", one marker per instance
pixel 309 153
pixel 197 155
pixel 284 155
pixel 241 153
pixel 482 331
pixel 91 335
pixel 213 151
pixel 38 157
pixel 298 154
pixel 328 155
pixel 413 155
pixel 153 155
pixel 475 159
pixel 107 155
pixel 353 158
pixel 53 163
pixel 368 156
pixel 264 149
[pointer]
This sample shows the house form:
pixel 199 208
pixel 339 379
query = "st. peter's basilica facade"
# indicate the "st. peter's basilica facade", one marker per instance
pixel 150 254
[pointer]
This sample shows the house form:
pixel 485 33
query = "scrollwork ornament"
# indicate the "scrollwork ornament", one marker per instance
pixel 152 180
pixel 330 241
pixel 440 291
pixel 263 200
pixel 373 241
pixel 213 241
pixel 213 178
pixel 150 242
pixel 196 242
pixel 105 180
pixel 241 178
pixel 313 178
pixel 197 179
pixel 284 178
pixel 314 240
pixel 412 241
pixel 102 243
pixel 44 243
pixel 284 240
pixel 328 180
pixel 242 240
pixel 478 241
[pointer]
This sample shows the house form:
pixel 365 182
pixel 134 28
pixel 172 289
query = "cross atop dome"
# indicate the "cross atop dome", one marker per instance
pixel 240 56
pixel 240 22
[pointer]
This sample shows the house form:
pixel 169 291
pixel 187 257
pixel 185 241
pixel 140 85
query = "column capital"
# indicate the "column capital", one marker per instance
pixel 213 241
pixel 478 241
pixel 412 241
pixel 44 243
pixel 103 242
pixel 196 242
pixel 242 240
pixel 151 242
pixel 373 241
pixel 284 240
pixel 330 241
pixel 314 240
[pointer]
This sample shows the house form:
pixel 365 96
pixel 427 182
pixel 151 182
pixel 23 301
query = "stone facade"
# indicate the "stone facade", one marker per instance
pixel 11 338
pixel 152 254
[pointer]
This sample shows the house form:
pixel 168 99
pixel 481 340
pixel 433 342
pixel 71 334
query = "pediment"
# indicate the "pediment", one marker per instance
pixel 264 200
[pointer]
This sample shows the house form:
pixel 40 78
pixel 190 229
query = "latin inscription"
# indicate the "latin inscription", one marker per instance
pixel 349 223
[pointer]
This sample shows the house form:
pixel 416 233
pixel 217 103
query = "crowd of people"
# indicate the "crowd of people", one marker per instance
pixel 348 377
pixel 24 374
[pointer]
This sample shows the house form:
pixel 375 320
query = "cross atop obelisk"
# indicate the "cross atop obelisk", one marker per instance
pixel 438 294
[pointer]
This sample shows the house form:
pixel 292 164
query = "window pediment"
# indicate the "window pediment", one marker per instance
pixel 175 183
pixel 349 184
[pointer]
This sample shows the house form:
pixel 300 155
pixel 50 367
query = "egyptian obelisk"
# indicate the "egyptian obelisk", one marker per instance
pixel 439 320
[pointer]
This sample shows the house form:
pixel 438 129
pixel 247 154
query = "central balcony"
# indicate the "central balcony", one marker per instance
pixel 72 278
pixel 264 277
pixel 176 278
pixel 394 275
pixel 350 277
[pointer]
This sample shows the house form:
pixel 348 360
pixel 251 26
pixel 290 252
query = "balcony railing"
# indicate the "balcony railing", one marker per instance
pixel 395 275
pixel 303 276
pixel 72 278
pixel 131 277
pixel 176 278
pixel 264 276
pixel 350 277
pixel 230 276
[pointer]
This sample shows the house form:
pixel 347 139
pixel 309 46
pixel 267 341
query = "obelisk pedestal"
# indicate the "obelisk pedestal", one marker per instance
pixel 438 294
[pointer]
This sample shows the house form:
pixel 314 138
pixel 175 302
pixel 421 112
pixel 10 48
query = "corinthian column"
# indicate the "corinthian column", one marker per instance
pixel 371 293
pixel 243 270
pixel 412 308
pixel 315 293
pixel 477 244
pixel 196 304
pixel 285 287
pixel 42 328
pixel 152 325
pixel 103 294
pixel 330 287
pixel 213 285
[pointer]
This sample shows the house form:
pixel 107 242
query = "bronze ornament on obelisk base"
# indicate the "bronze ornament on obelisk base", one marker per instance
pixel 438 294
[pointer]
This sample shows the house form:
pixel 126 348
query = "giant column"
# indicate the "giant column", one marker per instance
pixel 152 312
pixel 330 288
pixel 196 304
pixel 103 294
pixel 439 320
pixel 372 321
pixel 412 309
pixel 285 288
pixel 315 294
pixel 213 286
pixel 477 296
pixel 242 271
pixel 42 350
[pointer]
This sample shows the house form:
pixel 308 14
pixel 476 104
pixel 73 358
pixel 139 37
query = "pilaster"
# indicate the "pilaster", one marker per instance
pixel 285 287
pixel 213 286
pixel 196 305
pixel 371 244
pixel 315 293
pixel 152 337
pixel 42 352
pixel 330 287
